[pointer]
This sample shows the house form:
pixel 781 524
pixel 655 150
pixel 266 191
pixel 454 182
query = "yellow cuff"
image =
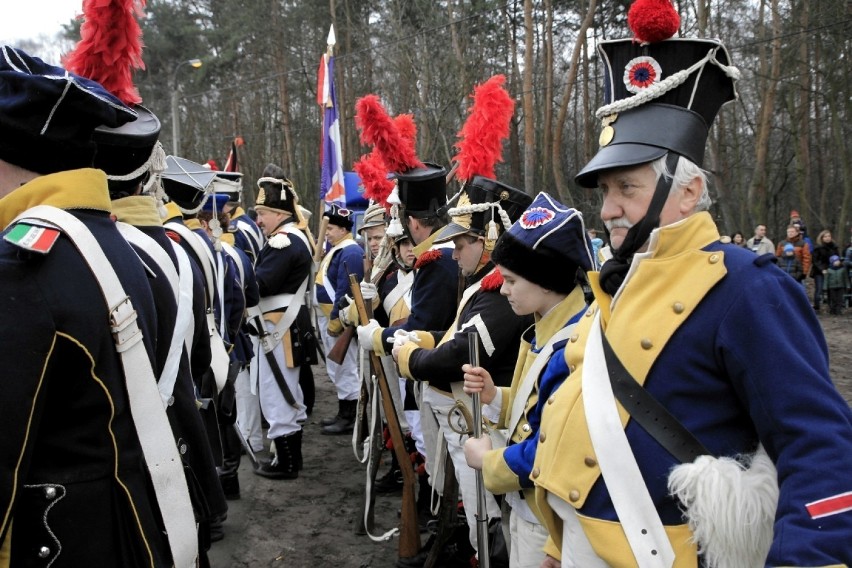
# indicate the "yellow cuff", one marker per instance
pixel 404 356
pixel 497 475
pixel 427 340
pixel 378 345
pixel 335 326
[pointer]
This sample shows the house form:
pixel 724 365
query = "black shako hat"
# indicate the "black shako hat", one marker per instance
pixel 485 208
pixel 547 245
pixel 423 191
pixel 658 97
pixel 230 184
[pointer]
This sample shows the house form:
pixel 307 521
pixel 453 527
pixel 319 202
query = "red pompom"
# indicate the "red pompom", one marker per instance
pixel 492 282
pixel 653 20
pixel 110 46
pixel 481 138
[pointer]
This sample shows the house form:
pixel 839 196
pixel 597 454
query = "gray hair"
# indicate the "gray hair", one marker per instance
pixel 686 171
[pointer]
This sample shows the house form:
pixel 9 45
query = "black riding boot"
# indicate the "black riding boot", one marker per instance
pixel 332 419
pixel 345 420
pixel 288 456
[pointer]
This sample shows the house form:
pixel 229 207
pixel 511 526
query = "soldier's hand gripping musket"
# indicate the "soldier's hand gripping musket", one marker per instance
pixel 481 509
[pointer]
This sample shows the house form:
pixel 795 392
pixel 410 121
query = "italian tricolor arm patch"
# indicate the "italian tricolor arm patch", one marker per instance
pixel 830 505
pixel 32 237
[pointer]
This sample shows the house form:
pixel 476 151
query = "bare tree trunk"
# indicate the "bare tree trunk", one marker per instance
pixel 770 70
pixel 558 177
pixel 547 139
pixel 514 138
pixel 281 56
pixel 528 100
pixel 457 47
pixel 801 112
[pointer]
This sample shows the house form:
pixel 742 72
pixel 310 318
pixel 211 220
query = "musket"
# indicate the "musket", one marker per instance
pixel 481 508
pixel 409 533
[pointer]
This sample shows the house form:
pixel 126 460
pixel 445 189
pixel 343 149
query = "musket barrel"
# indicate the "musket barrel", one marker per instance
pixel 481 506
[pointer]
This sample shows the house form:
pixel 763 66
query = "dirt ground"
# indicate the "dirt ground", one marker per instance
pixel 310 522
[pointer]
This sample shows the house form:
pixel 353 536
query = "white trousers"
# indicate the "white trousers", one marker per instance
pixel 248 408
pixel 577 551
pixel 528 539
pixel 344 376
pixel 465 475
pixel 283 419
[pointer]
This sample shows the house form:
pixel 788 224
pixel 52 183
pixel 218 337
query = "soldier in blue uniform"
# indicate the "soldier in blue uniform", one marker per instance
pixel 73 459
pixel 745 455
pixel 485 209
pixel 188 184
pixel 331 287
pixel 547 235
pixel 131 156
pixel 242 232
pixel 283 271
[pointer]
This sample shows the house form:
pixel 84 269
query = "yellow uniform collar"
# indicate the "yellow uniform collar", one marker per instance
pixel 137 210
pixel 75 189
pixel 426 245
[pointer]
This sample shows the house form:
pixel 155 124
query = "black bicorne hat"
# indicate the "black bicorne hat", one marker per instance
pixel 485 208
pixel 276 191
pixel 340 216
pixel 659 97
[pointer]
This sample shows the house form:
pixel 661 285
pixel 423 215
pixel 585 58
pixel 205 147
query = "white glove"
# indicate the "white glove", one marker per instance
pixel 369 291
pixel 401 337
pixel 343 311
pixel 365 334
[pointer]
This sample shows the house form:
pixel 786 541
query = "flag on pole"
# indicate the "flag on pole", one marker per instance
pixel 332 188
pixel 232 164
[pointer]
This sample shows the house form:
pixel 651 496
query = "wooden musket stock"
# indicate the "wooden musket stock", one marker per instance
pixel 409 533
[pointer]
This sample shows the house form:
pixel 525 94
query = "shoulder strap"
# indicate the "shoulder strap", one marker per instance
pixel 519 402
pixel 183 322
pixel 152 427
pixel 649 413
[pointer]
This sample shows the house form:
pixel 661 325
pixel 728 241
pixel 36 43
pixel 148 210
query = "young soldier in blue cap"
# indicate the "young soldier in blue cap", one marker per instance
pixel 687 390
pixel 82 414
pixel 543 259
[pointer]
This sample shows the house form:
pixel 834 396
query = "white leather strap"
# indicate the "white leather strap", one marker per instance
pixel 633 505
pixel 402 291
pixel 183 321
pixel 326 262
pixel 220 361
pixel 149 415
pixel 522 394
